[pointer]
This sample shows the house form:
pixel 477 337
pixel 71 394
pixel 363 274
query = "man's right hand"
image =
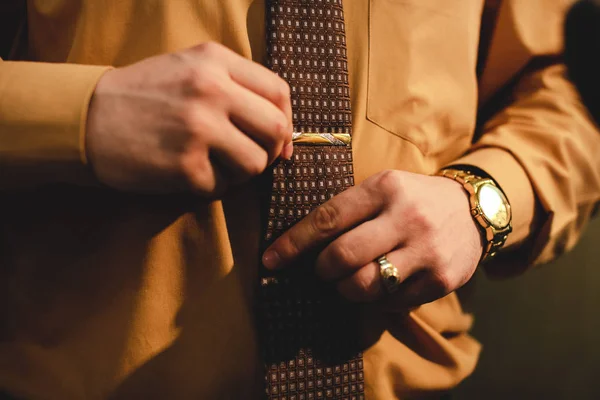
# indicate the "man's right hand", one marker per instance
pixel 197 120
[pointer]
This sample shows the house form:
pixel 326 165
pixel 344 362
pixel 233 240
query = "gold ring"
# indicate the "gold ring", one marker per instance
pixel 389 274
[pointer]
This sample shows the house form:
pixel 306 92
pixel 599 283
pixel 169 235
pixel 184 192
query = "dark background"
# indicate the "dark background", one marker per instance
pixel 540 331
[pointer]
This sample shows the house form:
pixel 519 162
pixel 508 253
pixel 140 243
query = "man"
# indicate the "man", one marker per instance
pixel 131 222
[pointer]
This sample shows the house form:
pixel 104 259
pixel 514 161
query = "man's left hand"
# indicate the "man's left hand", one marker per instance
pixel 421 223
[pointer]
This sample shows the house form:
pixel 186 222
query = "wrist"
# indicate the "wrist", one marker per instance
pixel 473 236
pixel 102 131
pixel 510 175
pixel 489 208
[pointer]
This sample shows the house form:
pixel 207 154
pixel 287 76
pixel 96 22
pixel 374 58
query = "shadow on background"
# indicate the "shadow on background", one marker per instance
pixel 540 331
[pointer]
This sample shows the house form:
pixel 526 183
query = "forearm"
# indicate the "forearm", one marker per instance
pixel 543 151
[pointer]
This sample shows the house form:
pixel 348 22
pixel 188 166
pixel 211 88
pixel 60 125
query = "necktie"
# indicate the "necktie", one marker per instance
pixel 309 336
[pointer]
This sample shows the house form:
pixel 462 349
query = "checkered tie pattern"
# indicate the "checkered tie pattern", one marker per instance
pixel 310 340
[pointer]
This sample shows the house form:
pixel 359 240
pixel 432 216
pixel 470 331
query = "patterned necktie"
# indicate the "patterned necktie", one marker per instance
pixel 310 340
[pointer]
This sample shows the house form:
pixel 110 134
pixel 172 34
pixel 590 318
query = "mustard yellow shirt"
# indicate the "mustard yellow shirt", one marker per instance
pixel 105 294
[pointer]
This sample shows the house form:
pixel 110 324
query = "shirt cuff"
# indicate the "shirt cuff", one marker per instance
pixel 520 248
pixel 43 113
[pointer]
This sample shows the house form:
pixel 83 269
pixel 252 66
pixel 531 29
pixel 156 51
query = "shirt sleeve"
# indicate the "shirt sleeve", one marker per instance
pixel 43 111
pixel 542 148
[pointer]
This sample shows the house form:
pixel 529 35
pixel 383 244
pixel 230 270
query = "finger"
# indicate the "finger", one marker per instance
pixel 363 286
pixel 243 157
pixel 263 82
pixel 421 282
pixel 203 176
pixel 426 286
pixel 253 77
pixel 357 247
pixel 270 86
pixel 331 219
pixel 366 284
pixel 288 151
pixel 261 120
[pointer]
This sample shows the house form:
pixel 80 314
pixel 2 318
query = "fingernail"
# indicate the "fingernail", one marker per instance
pixel 288 151
pixel 271 259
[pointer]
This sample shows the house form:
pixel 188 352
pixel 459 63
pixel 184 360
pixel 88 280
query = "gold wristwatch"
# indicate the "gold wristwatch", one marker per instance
pixel 489 208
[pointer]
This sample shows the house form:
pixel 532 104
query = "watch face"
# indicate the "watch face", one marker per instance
pixel 494 205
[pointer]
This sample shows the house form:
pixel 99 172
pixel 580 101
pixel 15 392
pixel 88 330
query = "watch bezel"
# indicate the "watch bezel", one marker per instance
pixel 477 187
pixel 494 236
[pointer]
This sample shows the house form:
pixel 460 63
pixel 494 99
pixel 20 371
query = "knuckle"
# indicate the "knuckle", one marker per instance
pixel 388 182
pixel 256 165
pixel 211 84
pixel 441 283
pixel 198 183
pixel 290 245
pixel 343 255
pixel 419 218
pixel 389 178
pixel 188 169
pixel 193 80
pixel 280 127
pixel 205 80
pixel 210 48
pixel 362 285
pixel 435 258
pixel 190 116
pixel 283 92
pixel 196 172
pixel 365 288
pixel 326 218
